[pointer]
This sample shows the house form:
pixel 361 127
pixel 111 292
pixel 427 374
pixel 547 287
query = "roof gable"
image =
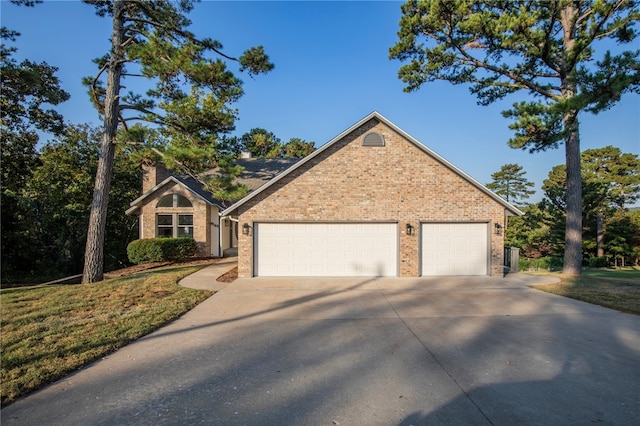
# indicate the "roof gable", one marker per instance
pixel 190 184
pixel 257 171
pixel 373 116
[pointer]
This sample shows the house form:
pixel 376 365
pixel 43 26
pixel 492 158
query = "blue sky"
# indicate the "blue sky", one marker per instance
pixel 332 69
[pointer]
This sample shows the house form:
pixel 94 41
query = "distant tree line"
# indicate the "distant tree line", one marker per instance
pixel 611 231
pixel 49 208
pixel 46 193
pixel 261 143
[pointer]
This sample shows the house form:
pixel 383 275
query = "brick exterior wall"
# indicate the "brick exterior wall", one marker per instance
pixel 398 182
pixel 203 216
pixel 152 175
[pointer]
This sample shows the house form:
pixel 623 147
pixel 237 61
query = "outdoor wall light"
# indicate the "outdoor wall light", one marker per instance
pixel 497 228
pixel 409 229
pixel 245 229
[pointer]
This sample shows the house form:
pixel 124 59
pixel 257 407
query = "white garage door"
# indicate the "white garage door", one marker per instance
pixel 454 249
pixel 325 249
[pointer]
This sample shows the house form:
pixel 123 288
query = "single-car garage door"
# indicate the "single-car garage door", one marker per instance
pixel 454 249
pixel 325 249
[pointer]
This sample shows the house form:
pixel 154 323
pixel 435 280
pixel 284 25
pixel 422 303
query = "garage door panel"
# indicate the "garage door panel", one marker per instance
pixel 454 248
pixel 325 249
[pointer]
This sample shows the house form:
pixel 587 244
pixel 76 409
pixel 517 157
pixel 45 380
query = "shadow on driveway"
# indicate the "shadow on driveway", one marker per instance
pixel 363 351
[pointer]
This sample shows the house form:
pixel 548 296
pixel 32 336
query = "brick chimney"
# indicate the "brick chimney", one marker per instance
pixel 153 174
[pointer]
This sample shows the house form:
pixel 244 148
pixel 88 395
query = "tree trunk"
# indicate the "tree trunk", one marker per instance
pixel 573 231
pixel 94 251
pixel 599 236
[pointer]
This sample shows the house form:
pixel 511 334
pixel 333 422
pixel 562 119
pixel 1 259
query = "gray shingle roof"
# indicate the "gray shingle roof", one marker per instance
pixel 257 172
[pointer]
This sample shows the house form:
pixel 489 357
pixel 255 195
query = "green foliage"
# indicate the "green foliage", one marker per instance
pixel 530 233
pixel 28 91
pixel 189 102
pixel 161 249
pixel 297 148
pixel 261 143
pixel 542 49
pixel 511 184
pixel 622 238
pixel 618 172
pixel 549 263
pixel 610 179
pixel 224 186
pixel 598 262
pixel 44 236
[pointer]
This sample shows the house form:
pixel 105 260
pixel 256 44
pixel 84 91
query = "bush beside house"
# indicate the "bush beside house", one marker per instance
pixel 161 249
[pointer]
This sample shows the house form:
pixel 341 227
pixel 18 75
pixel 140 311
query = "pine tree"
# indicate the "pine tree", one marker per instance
pixel 511 184
pixel 544 49
pixel 190 102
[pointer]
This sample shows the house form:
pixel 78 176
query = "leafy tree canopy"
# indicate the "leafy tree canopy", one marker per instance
pixel 542 49
pixel 28 90
pixel 618 172
pixel 297 148
pixel 261 143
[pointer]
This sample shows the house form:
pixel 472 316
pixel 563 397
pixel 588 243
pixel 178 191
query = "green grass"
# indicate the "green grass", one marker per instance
pixel 613 288
pixel 47 332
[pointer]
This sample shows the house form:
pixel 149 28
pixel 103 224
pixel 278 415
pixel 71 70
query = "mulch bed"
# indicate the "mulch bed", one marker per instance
pixel 228 277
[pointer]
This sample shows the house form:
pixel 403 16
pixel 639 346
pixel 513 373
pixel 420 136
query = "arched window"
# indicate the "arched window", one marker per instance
pixel 174 200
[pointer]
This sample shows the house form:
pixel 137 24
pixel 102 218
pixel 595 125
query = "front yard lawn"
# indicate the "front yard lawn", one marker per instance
pixel 613 288
pixel 49 331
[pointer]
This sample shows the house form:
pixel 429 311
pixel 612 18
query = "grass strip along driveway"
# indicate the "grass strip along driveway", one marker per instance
pixel 615 289
pixel 50 331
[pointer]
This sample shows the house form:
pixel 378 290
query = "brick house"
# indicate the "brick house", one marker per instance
pixel 178 205
pixel 373 201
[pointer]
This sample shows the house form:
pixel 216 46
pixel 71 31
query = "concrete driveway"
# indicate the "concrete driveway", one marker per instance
pixel 364 351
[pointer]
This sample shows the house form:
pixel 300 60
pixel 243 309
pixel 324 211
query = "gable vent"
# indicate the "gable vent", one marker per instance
pixel 373 139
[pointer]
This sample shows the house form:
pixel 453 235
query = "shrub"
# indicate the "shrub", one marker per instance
pixel 598 262
pixel 161 249
pixel 548 262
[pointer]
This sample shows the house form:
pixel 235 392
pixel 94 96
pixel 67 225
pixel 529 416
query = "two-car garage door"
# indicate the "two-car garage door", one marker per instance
pixel 366 249
pixel 325 249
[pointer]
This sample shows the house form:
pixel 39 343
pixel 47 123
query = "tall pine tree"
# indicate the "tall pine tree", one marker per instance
pixel 190 101
pixel 544 49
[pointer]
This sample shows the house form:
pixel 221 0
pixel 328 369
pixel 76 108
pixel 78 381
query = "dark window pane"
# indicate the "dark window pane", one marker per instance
pixel 165 220
pixel 185 231
pixel 165 232
pixel 184 201
pixel 185 219
pixel 166 201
